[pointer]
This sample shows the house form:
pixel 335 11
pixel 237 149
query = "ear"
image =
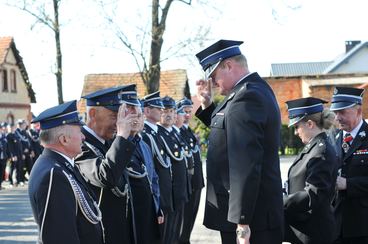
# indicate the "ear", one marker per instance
pixel 310 124
pixel 63 140
pixel 92 113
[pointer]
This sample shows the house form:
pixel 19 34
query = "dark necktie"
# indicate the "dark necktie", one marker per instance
pixel 346 141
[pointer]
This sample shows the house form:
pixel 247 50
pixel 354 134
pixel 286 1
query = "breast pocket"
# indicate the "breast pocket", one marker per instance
pixel 218 122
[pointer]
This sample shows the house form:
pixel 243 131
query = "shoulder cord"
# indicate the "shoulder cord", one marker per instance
pixel 94 149
pixel 171 154
pixel 156 151
pixel 83 203
pixel 196 149
pixel 116 191
pixel 21 137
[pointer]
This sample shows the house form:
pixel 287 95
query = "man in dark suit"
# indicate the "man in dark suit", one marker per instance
pixel 243 171
pixel 3 151
pixel 197 181
pixel 63 205
pixel 152 110
pixel 351 205
pixel 16 156
pixel 175 151
pixel 104 159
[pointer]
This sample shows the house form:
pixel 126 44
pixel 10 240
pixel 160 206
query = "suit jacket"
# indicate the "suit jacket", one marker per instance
pixel 197 179
pixel 55 206
pixel 103 168
pixel 163 169
pixel 15 147
pixel 243 170
pixel 3 148
pixel 179 170
pixel 352 204
pixel 311 186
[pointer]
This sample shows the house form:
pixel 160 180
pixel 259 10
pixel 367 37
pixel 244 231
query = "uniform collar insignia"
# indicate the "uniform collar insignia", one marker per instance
pixel 362 134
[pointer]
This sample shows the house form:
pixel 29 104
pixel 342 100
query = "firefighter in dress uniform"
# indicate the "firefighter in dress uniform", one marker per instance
pixel 176 153
pixel 152 106
pixel 105 154
pixel 63 205
pixel 311 178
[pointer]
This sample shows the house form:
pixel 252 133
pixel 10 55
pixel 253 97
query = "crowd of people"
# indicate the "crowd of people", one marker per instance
pixel 132 172
pixel 19 149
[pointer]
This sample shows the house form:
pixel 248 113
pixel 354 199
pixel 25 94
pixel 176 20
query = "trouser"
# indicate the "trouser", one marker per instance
pixel 189 216
pixel 28 163
pixel 2 170
pixel 171 234
pixel 228 237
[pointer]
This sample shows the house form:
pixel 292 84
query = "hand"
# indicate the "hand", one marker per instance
pixel 124 122
pixel 160 220
pixel 204 92
pixel 340 183
pixel 245 240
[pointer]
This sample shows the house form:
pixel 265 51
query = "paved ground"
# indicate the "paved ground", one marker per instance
pixel 17 225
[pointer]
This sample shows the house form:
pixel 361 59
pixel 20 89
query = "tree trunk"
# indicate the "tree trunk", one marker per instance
pixel 158 29
pixel 59 71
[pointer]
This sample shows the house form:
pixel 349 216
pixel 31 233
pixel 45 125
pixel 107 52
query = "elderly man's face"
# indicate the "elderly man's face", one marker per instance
pixel 153 113
pixel 188 114
pixel 105 121
pixel 75 140
pixel 349 118
pixel 167 117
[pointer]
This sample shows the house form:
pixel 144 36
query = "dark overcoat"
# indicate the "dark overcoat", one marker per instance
pixel 57 207
pixel 243 169
pixel 351 207
pixel 311 186
pixel 102 166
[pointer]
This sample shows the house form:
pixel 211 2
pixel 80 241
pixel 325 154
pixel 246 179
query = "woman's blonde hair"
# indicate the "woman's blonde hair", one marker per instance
pixel 324 119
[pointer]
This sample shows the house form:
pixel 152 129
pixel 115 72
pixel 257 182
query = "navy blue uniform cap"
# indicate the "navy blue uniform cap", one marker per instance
pixel 63 114
pixel 153 100
pixel 211 57
pixel 185 102
pixel 128 95
pixel 299 108
pixel 108 98
pixel 180 108
pixel 168 102
pixel 346 97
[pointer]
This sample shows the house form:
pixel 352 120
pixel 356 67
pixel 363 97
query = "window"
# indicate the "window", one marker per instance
pixel 4 78
pixel 13 81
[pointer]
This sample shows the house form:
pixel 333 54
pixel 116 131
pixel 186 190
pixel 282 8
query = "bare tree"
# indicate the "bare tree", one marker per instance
pixel 148 53
pixel 43 14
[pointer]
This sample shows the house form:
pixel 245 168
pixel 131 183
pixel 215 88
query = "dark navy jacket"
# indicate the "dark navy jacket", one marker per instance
pixel 55 206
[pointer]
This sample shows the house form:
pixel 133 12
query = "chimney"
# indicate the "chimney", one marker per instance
pixel 350 45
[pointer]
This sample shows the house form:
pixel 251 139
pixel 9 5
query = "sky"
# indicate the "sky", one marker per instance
pixel 273 31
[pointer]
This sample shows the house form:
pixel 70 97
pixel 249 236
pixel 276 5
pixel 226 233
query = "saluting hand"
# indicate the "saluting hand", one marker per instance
pixel 124 121
pixel 204 92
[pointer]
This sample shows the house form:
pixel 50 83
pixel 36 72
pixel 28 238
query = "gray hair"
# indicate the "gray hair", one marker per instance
pixel 240 59
pixel 51 136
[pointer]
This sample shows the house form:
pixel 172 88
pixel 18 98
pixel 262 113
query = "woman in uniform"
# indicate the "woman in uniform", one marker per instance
pixel 311 178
